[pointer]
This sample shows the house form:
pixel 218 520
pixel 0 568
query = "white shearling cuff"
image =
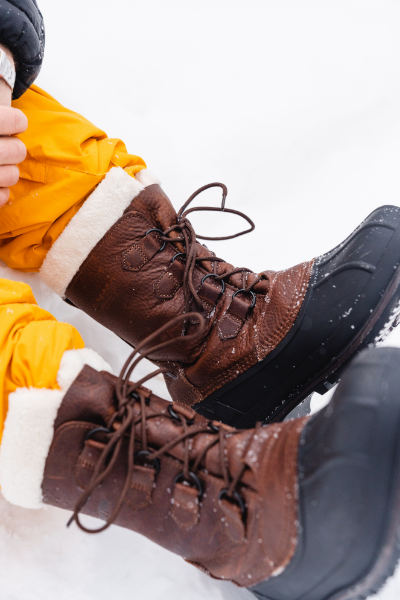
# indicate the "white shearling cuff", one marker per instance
pixel 27 436
pixel 98 214
pixel 29 430
pixel 147 177
pixel 73 362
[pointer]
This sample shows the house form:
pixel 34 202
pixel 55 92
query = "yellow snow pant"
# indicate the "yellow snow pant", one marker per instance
pixel 32 343
pixel 67 158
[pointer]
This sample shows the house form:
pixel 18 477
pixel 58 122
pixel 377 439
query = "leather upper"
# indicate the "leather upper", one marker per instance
pixel 132 282
pixel 209 530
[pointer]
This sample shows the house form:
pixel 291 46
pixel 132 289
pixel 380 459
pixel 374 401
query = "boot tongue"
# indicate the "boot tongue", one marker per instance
pixel 90 398
pixel 236 280
pixel 156 205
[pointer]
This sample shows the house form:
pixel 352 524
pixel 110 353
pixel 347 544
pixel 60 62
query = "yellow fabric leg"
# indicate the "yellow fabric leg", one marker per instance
pixel 67 158
pixel 32 343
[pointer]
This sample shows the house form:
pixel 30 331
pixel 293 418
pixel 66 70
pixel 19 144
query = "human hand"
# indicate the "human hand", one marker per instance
pixel 12 150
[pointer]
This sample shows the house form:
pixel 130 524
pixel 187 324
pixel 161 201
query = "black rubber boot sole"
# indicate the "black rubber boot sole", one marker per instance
pixel 349 489
pixel 352 302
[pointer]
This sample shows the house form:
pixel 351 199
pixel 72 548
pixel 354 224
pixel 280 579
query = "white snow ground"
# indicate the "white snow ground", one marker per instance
pixel 295 106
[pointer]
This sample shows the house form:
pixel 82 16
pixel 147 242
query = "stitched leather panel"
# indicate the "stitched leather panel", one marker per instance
pixel 287 291
pixel 185 509
pixel 229 326
pixel 170 281
pixel 127 301
pixel 267 325
pixel 135 302
pixel 139 254
pixel 212 534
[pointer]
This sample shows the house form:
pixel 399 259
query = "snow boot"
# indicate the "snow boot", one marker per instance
pixel 308 509
pixel 271 338
pixel 349 489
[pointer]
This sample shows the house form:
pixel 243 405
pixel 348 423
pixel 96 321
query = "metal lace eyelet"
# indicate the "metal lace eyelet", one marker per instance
pixel 172 413
pixel 175 416
pixel 96 430
pixel 213 427
pixel 236 498
pixel 136 397
pixel 159 231
pixel 176 256
pixel 214 275
pixel 154 462
pixel 247 292
pixel 192 480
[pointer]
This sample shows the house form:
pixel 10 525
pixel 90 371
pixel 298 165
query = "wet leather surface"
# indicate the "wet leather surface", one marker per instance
pixel 130 287
pixel 208 532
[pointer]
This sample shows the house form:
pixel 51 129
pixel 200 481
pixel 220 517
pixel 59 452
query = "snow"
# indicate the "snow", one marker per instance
pixel 295 106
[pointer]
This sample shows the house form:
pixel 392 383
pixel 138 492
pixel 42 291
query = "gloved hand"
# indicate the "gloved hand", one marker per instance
pixel 22 32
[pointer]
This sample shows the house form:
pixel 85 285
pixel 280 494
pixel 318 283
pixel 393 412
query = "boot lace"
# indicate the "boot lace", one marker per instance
pixel 123 424
pixel 188 236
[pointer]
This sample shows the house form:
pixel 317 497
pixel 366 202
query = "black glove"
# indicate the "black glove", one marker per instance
pixel 22 32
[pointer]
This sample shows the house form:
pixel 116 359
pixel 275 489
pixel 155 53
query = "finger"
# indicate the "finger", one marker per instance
pixel 12 121
pixel 4 195
pixel 9 176
pixel 12 151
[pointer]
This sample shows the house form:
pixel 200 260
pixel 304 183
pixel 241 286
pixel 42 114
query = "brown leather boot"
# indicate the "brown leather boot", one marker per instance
pixel 271 339
pixel 308 508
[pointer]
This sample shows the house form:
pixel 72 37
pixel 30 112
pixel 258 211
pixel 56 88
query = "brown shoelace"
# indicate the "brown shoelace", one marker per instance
pixel 123 424
pixel 188 239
